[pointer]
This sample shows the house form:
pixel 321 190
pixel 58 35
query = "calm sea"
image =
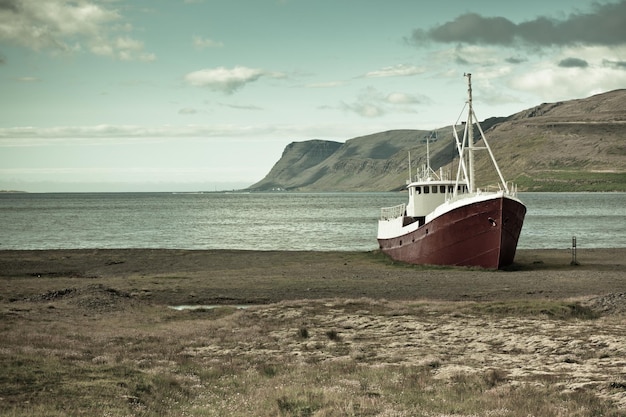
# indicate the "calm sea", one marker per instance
pixel 276 221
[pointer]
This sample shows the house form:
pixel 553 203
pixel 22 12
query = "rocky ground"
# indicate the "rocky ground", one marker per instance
pixel 543 322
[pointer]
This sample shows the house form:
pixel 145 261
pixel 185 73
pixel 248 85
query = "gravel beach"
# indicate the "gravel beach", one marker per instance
pixel 259 277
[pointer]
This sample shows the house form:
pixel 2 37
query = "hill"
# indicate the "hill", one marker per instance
pixel 575 145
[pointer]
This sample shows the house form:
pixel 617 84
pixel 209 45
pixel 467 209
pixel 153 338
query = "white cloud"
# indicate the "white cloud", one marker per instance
pixel 242 106
pixel 28 136
pixel 365 109
pixel 68 26
pixel 227 80
pixel 554 84
pixel 372 103
pixel 128 134
pixel 327 84
pixel 201 43
pixel 399 70
pixel 118 131
pixel 402 98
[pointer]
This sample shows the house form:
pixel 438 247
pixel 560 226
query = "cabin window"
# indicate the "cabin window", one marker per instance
pixel 450 189
pixel 442 189
pixel 434 189
pixel 426 189
pixel 418 190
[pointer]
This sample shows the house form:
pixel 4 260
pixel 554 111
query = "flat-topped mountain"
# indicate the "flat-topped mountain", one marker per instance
pixel 575 145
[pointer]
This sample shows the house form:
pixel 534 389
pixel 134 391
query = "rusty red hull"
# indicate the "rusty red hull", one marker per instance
pixel 482 234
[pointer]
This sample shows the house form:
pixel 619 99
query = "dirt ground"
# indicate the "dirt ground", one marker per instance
pixel 175 277
pixel 92 306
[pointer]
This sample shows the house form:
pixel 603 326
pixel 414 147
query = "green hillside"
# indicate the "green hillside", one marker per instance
pixel 576 145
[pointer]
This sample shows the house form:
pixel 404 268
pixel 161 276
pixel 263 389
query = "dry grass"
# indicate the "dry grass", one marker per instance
pixel 100 352
pixel 89 333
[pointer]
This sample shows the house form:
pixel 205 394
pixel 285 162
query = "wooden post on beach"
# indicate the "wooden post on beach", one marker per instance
pixel 573 262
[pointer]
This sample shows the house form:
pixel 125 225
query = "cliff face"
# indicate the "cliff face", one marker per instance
pixel 298 166
pixel 574 145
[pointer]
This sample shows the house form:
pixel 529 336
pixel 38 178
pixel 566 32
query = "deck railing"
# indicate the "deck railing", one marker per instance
pixel 388 213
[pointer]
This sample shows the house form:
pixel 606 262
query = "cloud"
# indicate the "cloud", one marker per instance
pixel 187 110
pixel 10 5
pixel 399 70
pixel 467 55
pixel 614 64
pixel 68 26
pixel 327 84
pixel 202 43
pixel 556 83
pixel 573 63
pixel 106 131
pixel 241 106
pixel 577 71
pixel 372 103
pixel 605 24
pixel 515 60
pixel 227 80
pixel 402 98
pixel 470 28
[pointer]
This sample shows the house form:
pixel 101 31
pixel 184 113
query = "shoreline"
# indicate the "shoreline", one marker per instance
pixel 197 277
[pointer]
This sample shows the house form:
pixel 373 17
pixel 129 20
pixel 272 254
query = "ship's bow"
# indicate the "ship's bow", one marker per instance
pixel 512 220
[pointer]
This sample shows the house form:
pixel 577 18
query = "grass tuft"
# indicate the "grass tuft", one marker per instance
pixel 303 333
pixel 333 335
pixel 558 310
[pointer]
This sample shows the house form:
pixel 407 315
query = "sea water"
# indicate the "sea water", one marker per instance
pixel 272 221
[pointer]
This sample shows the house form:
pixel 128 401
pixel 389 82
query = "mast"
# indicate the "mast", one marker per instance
pixel 469 146
pixel 470 133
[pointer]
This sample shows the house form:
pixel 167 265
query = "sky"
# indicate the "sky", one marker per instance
pixel 204 95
